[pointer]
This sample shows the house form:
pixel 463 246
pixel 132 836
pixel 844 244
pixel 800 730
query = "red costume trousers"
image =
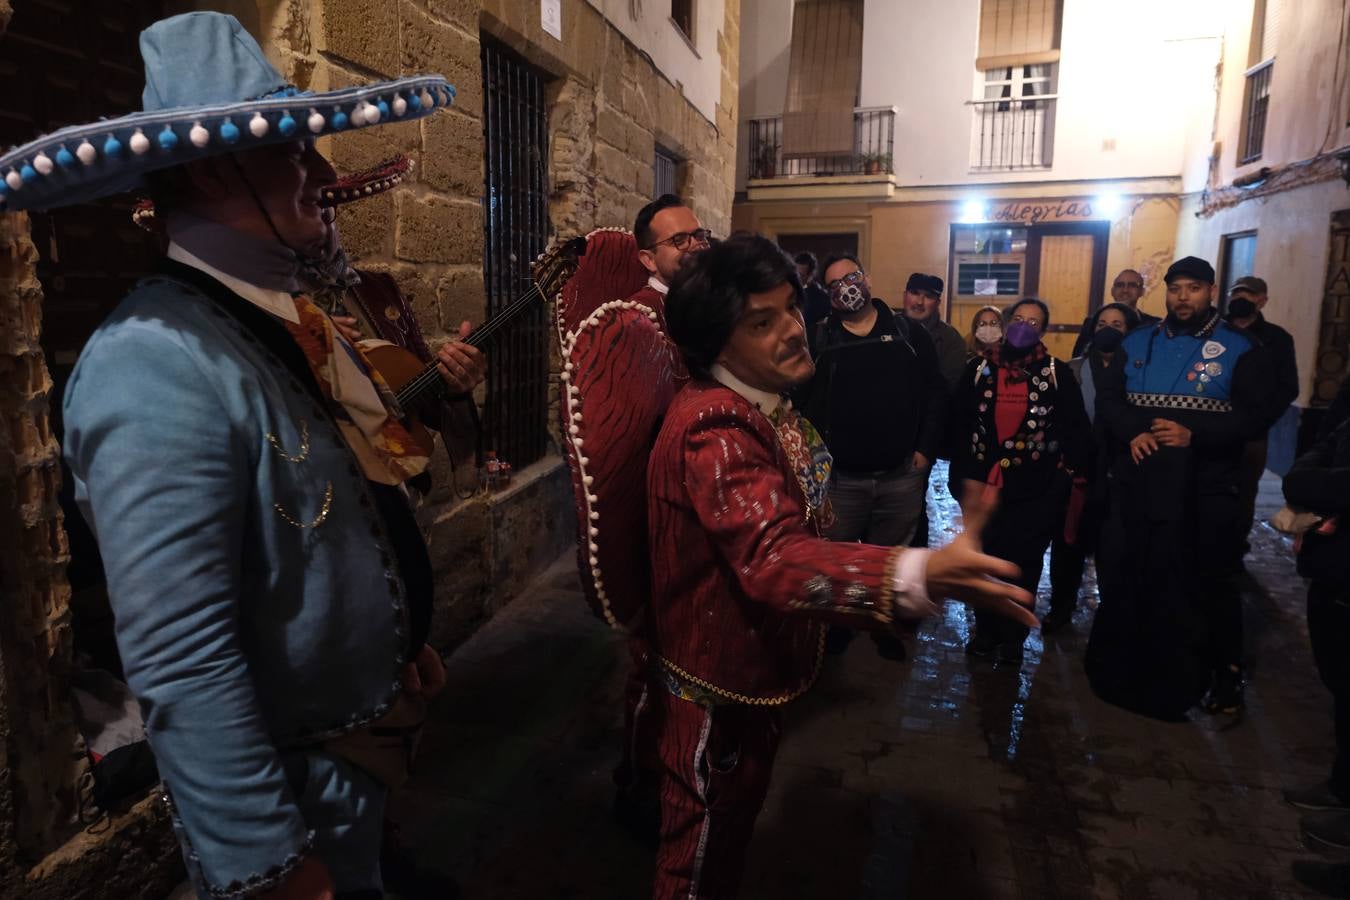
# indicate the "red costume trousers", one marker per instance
pixel 716 764
pixel 640 772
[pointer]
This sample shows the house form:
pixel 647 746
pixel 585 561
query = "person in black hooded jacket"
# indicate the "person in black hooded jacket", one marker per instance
pixel 1319 482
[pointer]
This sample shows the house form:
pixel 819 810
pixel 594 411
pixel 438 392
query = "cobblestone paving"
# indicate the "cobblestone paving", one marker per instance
pixel 938 777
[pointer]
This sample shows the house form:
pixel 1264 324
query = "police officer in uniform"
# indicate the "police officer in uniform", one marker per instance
pixel 1192 392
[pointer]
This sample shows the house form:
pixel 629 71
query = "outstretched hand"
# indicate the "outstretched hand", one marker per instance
pixel 962 571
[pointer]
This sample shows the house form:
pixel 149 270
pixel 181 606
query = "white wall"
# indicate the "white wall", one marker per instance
pixel 1292 243
pixel 766 40
pixel 699 70
pixel 1137 74
pixel 1128 73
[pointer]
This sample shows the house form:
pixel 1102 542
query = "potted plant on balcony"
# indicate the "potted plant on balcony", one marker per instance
pixel 766 161
pixel 876 163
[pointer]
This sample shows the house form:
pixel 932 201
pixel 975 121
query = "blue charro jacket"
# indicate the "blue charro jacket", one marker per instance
pixel 241 634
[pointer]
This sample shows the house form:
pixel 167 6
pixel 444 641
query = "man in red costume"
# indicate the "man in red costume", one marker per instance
pixel 743 584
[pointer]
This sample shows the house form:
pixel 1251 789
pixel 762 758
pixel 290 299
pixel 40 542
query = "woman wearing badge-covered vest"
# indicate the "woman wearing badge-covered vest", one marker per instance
pixel 1019 428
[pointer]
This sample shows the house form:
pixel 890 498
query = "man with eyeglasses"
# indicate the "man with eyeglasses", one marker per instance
pixel 879 400
pixel 1127 289
pixel 668 235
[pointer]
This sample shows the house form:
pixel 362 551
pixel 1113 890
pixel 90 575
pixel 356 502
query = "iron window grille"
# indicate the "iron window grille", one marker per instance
pixel 515 228
pixel 1255 105
pixel 665 167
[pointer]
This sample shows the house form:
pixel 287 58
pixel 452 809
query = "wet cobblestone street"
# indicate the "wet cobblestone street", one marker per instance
pixel 938 777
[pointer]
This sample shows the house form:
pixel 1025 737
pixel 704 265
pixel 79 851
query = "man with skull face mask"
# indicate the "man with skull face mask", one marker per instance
pixel 879 401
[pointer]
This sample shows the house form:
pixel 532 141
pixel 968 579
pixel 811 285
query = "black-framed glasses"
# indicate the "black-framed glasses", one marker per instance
pixel 681 239
pixel 854 277
pixel 1120 285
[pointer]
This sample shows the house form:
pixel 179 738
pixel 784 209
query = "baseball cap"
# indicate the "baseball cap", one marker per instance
pixel 1190 267
pixel 1249 283
pixel 926 284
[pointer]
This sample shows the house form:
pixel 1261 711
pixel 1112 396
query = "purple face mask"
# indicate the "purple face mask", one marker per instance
pixel 1021 335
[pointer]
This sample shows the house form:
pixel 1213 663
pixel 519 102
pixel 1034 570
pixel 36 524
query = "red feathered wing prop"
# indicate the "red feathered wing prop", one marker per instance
pixel 619 375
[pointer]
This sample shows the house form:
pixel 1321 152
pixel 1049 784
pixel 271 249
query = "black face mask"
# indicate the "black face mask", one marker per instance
pixel 1241 307
pixel 1106 340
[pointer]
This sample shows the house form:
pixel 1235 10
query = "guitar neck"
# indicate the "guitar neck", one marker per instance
pixel 429 384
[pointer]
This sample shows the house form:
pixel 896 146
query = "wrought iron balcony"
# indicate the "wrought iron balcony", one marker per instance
pixel 1012 133
pixel 872 154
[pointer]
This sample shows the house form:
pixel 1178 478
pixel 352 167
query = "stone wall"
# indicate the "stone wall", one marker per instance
pixel 608 109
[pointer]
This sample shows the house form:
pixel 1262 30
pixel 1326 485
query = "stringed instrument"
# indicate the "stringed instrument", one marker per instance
pixel 418 384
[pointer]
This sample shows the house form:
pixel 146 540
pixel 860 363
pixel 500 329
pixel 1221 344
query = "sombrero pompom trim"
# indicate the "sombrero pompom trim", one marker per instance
pixel 85 162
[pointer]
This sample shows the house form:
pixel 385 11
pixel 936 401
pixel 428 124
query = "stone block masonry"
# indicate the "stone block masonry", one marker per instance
pixel 608 108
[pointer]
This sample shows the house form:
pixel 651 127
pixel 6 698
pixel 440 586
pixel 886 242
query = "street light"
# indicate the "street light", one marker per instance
pixel 973 211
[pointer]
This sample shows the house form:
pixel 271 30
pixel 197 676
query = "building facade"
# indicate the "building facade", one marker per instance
pixel 1012 147
pixel 570 115
pixel 1266 186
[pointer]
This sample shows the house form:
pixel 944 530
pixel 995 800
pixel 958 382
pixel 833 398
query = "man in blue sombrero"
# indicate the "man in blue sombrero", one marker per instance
pixel 242 466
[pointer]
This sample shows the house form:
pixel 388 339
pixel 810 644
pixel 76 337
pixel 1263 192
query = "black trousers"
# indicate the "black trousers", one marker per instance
pixel 1020 532
pixel 1218 560
pixel 1329 631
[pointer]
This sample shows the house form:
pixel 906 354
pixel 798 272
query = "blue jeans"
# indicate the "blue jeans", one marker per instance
pixel 881 509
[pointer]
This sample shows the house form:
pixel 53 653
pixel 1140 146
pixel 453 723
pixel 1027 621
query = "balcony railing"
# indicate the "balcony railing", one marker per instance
pixel 1255 104
pixel 873 148
pixel 1013 133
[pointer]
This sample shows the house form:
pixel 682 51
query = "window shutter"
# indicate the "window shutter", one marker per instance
pixel 1018 33
pixel 1265 31
pixel 1270 29
pixel 824 71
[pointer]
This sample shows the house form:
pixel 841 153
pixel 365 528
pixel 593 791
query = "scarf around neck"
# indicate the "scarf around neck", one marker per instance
pixel 1017 365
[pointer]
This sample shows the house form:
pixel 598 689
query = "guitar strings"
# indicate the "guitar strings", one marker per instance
pixel 410 394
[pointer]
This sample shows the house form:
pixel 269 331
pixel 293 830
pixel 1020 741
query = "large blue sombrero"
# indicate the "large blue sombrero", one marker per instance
pixel 208 90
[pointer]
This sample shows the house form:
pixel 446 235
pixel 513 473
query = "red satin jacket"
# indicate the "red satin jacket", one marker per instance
pixel 742 582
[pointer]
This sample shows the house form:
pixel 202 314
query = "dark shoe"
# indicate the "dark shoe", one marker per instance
pixel 837 639
pixel 1009 652
pixel 1331 879
pixel 981 646
pixel 1226 694
pixel 639 815
pixel 408 880
pixel 890 647
pixel 1315 797
pixel 1055 620
pixel 1327 830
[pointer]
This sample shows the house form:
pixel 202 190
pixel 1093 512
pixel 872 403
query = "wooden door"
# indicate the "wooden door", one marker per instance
pixel 1065 283
pixel 1066 267
pixel 1332 363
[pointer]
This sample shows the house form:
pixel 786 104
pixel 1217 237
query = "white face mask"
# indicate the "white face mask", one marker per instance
pixel 989 334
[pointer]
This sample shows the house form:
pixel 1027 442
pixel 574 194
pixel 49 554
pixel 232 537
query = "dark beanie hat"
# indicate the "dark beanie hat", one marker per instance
pixel 1190 267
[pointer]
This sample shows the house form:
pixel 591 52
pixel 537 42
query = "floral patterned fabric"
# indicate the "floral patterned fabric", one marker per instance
pixel 810 458
pixel 383 446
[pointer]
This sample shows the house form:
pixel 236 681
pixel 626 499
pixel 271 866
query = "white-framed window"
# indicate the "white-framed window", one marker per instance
pixel 1014 117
